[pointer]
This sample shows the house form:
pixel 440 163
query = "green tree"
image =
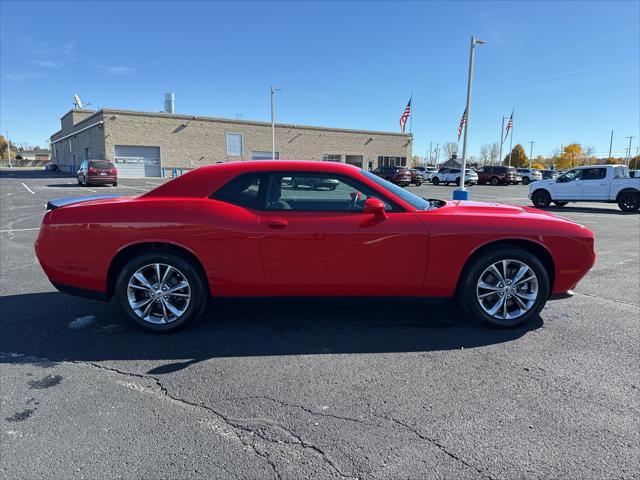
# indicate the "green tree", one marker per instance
pixel 634 163
pixel 518 157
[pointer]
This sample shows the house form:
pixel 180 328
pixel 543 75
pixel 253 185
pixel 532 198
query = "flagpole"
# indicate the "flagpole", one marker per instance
pixel 511 141
pixel 501 141
pixel 411 113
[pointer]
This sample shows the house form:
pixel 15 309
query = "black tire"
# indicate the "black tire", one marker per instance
pixel 79 182
pixel 560 204
pixel 495 181
pixel 115 184
pixel 435 181
pixel 190 273
pixel 541 199
pixel 457 181
pixel 471 275
pixel 629 201
pixel 526 181
pixel 418 184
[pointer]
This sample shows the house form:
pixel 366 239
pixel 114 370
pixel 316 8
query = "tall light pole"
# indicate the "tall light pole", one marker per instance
pixel 273 125
pixel 610 144
pixel 531 153
pixel 462 193
pixel 629 154
pixel 501 140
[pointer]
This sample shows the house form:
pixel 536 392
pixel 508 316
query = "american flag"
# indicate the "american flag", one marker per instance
pixel 463 120
pixel 509 125
pixel 405 116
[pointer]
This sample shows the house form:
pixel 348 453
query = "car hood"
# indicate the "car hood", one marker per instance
pixel 467 207
pixel 541 183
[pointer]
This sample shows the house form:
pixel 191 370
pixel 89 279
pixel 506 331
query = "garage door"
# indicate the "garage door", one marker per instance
pixel 135 161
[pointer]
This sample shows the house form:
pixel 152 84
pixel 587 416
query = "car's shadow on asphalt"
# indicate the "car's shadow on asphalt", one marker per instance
pixel 57 327
pixel 76 185
pixel 34 174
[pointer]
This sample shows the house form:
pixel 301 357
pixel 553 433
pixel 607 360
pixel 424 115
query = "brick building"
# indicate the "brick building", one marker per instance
pixel 149 144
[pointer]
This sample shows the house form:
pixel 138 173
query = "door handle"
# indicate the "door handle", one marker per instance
pixel 279 223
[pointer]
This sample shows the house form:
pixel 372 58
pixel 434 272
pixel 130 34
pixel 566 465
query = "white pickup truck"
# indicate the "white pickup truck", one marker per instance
pixel 592 183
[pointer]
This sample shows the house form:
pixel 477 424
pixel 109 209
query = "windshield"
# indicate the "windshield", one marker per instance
pixel 417 202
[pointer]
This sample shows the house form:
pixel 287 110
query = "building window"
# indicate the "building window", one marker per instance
pixel 234 144
pixel 331 157
pixel 263 155
pixel 86 153
pixel 393 161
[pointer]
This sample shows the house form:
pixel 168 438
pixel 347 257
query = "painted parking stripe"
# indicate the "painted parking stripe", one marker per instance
pixel 19 230
pixel 85 188
pixel 134 188
pixel 28 189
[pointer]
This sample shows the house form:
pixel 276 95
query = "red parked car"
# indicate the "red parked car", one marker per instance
pixel 242 230
pixel 97 172
pixel 395 174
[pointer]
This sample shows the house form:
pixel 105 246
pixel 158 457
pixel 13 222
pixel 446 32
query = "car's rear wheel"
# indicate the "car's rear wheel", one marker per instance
pixel 458 181
pixel 435 181
pixel 495 181
pixel 161 291
pixel 115 184
pixel 505 287
pixel 560 204
pixel 541 198
pixel 526 181
pixel 629 201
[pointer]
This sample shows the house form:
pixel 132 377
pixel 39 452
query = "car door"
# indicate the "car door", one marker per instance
pixel 595 185
pixel 320 242
pixel 568 186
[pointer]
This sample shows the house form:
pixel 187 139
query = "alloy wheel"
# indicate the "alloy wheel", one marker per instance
pixel 158 293
pixel 507 289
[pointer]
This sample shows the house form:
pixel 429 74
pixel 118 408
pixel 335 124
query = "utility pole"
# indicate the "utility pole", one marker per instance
pixel 511 141
pixel 629 152
pixel 462 193
pixel 437 152
pixel 610 144
pixel 430 148
pixel 531 153
pixel 273 125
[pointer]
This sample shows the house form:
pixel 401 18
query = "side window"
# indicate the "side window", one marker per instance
pixel 308 192
pixel 243 191
pixel 594 173
pixel 570 176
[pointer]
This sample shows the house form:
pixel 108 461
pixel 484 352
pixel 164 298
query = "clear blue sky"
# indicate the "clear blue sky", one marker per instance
pixel 571 69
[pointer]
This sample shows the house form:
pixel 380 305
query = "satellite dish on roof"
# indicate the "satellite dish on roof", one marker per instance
pixel 77 103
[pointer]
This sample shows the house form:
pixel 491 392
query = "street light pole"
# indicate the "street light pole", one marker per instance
pixel 530 153
pixel 461 193
pixel 273 125
pixel 610 144
pixel 501 140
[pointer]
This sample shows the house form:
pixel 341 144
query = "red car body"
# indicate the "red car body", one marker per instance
pixel 251 252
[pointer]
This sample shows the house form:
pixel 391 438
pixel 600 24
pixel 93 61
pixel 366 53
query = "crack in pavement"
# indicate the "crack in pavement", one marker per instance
pixel 598 297
pixel 239 424
pixel 441 447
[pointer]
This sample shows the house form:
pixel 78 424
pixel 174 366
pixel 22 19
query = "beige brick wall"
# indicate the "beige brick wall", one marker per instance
pixel 190 142
pixel 63 152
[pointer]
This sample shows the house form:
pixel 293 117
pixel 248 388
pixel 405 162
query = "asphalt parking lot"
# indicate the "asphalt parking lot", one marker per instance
pixel 317 390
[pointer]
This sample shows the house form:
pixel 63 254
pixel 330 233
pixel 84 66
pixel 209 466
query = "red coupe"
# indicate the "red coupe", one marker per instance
pixel 243 229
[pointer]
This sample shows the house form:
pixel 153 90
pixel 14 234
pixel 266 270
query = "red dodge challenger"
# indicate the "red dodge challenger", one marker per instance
pixel 296 228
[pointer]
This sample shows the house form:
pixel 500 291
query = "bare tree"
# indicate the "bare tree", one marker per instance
pixel 485 153
pixel 451 149
pixel 495 153
pixel 588 151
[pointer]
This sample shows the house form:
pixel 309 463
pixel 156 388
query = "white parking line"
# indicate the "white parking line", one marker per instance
pixel 135 188
pixel 28 189
pixel 19 230
pixel 154 184
pixel 85 188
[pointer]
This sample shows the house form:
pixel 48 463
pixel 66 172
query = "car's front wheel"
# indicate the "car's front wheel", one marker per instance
pixel 505 287
pixel 161 291
pixel 541 199
pixel 526 181
pixel 435 181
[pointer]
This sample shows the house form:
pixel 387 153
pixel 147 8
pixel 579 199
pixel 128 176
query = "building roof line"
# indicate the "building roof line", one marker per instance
pixel 105 111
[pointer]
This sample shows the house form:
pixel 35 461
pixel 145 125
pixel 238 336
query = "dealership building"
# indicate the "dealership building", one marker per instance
pixel 147 144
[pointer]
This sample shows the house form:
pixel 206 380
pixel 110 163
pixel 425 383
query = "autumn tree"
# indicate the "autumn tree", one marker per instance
pixel 518 157
pixel 634 163
pixel 537 165
pixel 4 148
pixel 570 156
pixel 451 149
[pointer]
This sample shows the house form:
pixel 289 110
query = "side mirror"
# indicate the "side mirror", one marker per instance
pixel 376 207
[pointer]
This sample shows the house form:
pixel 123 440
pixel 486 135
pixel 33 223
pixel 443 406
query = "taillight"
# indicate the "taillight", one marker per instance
pixel 113 171
pixel 92 170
